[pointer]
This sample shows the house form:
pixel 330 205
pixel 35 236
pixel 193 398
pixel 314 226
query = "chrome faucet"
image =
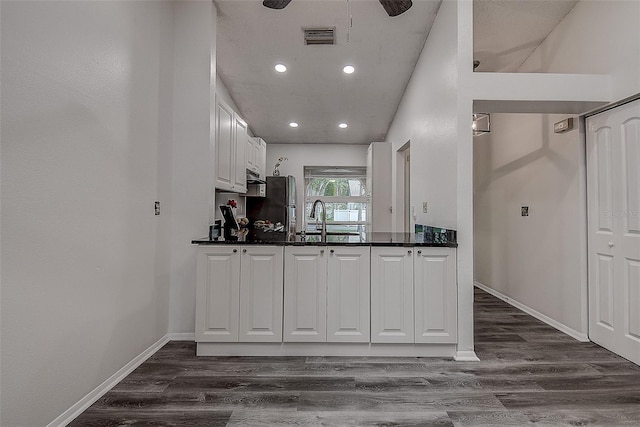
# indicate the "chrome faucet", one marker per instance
pixel 323 232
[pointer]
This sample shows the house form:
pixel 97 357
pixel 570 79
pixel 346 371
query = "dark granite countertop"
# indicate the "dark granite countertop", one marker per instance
pixel 362 239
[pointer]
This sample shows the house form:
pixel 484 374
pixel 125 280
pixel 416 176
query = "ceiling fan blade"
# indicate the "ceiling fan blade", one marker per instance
pixel 396 7
pixel 276 4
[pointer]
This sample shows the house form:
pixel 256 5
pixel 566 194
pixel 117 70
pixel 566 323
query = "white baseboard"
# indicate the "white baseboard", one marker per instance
pixel 546 319
pixel 182 336
pixel 72 413
pixel 466 356
pixel 325 349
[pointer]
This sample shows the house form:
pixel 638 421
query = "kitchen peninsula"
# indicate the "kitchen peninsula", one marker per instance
pixel 376 294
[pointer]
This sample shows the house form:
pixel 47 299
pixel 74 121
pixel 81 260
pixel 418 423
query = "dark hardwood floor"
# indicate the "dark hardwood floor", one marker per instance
pixel 529 374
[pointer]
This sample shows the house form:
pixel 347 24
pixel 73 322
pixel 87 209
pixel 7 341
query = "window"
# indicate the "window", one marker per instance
pixel 343 190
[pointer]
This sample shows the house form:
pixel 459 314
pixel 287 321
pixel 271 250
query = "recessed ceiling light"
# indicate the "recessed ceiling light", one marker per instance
pixel 342 125
pixel 281 68
pixel 293 125
pixel 349 69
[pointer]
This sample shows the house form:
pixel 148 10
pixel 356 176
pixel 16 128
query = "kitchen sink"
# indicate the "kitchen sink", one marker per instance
pixel 332 233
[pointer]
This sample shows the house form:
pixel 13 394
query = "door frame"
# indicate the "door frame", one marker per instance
pixel 403 197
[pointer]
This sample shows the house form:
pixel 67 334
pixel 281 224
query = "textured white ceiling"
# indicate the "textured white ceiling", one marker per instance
pixel 314 91
pixel 505 32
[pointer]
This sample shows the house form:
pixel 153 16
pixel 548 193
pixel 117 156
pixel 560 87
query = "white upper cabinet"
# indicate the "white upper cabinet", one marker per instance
pixel 261 160
pixel 231 148
pixel 225 146
pixel 253 146
pixel 435 295
pixel 240 167
pixel 348 294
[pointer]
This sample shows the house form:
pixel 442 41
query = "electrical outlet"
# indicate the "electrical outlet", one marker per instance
pixel 424 207
pixel 157 208
pixel 524 211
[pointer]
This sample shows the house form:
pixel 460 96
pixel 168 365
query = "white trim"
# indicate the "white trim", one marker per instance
pixel 325 349
pixel 182 336
pixel 466 356
pixel 72 413
pixel 530 311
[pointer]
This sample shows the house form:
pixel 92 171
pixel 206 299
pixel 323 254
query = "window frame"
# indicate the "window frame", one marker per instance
pixel 346 172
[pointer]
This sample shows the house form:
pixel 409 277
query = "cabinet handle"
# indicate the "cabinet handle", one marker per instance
pixel 409 252
pixel 419 252
pixel 244 251
pixel 332 251
pixel 322 251
pixel 235 250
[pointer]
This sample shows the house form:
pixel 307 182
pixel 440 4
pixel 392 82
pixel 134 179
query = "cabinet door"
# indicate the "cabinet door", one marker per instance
pixel 305 294
pixel 251 154
pixel 261 161
pixel 240 167
pixel 261 282
pixel 436 295
pixel 392 295
pixel 348 300
pixel 225 150
pixel 217 293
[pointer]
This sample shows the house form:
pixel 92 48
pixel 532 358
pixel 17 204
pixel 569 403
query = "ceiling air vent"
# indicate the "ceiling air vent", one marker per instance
pixel 322 35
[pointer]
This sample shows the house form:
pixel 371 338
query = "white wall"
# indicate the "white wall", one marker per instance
pixel 86 127
pixel 427 116
pixel 535 260
pixel 301 155
pixel 193 151
pixel 597 37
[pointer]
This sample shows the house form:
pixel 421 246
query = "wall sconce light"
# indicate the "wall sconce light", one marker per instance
pixel 481 123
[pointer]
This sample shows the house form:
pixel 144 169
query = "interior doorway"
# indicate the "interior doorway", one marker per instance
pixel 403 179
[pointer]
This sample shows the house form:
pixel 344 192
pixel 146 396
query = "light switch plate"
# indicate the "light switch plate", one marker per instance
pixel 424 207
pixel 524 211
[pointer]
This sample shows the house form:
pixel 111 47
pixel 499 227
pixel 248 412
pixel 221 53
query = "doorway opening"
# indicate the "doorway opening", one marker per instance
pixel 530 217
pixel 403 187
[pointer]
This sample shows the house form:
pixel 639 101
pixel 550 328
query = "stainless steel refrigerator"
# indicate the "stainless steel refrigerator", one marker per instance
pixel 278 206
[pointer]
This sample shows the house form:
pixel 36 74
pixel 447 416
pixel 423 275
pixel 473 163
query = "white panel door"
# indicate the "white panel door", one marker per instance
pixel 305 294
pixel 217 293
pixel 392 295
pixel 225 146
pixel 436 301
pixel 240 168
pixel 348 300
pixel 261 294
pixel 613 191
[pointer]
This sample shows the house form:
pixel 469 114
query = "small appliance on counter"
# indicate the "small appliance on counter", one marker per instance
pixel 215 231
pixel 230 226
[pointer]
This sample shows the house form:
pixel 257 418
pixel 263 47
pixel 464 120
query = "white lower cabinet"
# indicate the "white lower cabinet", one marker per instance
pixel 327 294
pixel 348 299
pixel 261 294
pixel 239 293
pixel 314 294
pixel 305 290
pixel 392 295
pixel 435 295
